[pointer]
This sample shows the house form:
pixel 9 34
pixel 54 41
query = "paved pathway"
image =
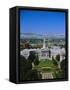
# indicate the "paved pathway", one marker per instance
pixel 47 75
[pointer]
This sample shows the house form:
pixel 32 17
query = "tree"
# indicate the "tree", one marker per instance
pixel 54 61
pixel 63 68
pixel 58 57
pixel 49 53
pixel 23 63
pixel 33 75
pixel 26 70
pixel 32 56
pixel 61 72
pixel 36 60
pixel 58 60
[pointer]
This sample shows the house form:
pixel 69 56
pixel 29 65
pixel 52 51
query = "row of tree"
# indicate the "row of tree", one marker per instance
pixel 27 72
pixel 60 65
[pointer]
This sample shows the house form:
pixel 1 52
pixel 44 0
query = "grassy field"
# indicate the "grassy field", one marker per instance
pixel 45 66
pixel 46 63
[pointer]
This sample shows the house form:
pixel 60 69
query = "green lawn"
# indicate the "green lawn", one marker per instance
pixel 46 63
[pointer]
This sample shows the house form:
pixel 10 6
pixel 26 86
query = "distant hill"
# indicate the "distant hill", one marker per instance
pixel 38 36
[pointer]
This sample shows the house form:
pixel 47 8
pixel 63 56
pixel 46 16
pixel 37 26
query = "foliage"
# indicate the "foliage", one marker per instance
pixel 36 60
pixel 54 61
pixel 63 65
pixel 49 53
pixel 58 57
pixel 63 68
pixel 32 56
pixel 58 74
pixel 34 75
pixel 26 71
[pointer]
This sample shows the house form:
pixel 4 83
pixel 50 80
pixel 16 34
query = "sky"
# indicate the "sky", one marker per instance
pixel 42 22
